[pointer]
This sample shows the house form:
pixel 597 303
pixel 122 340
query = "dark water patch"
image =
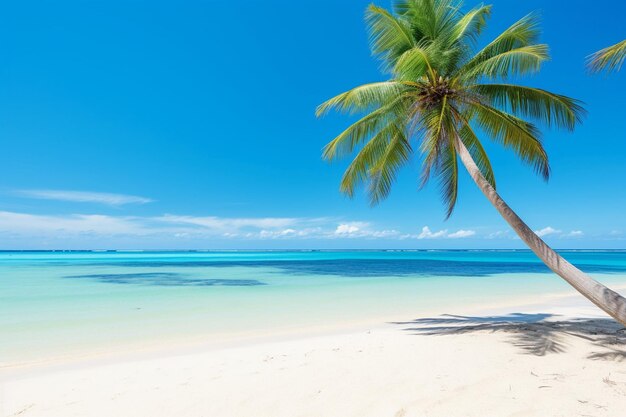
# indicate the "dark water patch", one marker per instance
pixel 371 267
pixel 167 279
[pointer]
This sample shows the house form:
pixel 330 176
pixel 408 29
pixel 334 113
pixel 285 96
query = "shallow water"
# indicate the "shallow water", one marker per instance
pixel 55 303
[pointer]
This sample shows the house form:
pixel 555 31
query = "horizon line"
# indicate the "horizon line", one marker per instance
pixel 313 249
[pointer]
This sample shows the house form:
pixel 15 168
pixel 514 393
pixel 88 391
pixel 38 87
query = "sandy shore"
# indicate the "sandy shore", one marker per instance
pixel 554 358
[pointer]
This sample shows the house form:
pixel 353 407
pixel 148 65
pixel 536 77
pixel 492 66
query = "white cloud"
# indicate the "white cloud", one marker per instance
pixel 574 233
pixel 84 197
pixel 85 224
pixel 58 228
pixel 383 233
pixel 274 234
pixel 427 234
pixel 441 234
pixel 229 224
pixel 546 231
pixel 500 234
pixel 461 234
pixel 350 228
pixel 360 230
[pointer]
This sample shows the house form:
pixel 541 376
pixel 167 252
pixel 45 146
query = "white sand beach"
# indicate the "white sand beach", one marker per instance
pixel 553 358
pixel 210 209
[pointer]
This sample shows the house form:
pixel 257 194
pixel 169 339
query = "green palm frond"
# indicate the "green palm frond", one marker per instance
pixel 522 33
pixel 608 59
pixel 364 129
pixel 514 133
pixel 518 61
pixel 471 24
pixel 383 173
pixel 359 169
pixel 447 174
pixel 540 105
pixel 440 157
pixel 455 45
pixel 390 36
pixel 414 64
pixel 363 98
pixel 434 26
pixel 443 91
pixel 429 18
pixel 433 123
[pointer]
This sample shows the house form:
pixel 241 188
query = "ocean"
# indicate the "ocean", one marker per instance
pixel 57 304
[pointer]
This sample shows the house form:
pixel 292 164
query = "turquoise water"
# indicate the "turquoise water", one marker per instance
pixel 59 303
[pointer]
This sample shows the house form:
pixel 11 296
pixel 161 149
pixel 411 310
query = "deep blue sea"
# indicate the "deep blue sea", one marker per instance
pixel 59 303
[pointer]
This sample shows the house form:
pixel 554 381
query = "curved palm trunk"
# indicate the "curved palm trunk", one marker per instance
pixel 605 298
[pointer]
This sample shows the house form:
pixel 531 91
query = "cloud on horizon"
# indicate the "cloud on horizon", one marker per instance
pixel 574 233
pixel 550 231
pixel 546 231
pixel 226 224
pixel 181 228
pixel 14 224
pixel 84 197
pixel 426 233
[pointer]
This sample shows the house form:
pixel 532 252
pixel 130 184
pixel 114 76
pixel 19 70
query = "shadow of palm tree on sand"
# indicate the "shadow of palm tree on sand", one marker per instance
pixel 534 334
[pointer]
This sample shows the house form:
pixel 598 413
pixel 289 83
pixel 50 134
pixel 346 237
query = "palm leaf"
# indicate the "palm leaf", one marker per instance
pixel 609 59
pixel 472 23
pixel 413 65
pixel 429 19
pixel 541 105
pixel 364 128
pixel 447 173
pixel 435 122
pixel 517 61
pixel 359 169
pixel 514 133
pixel 390 36
pixel 383 173
pixel 363 98
pixel 438 96
pixel 522 33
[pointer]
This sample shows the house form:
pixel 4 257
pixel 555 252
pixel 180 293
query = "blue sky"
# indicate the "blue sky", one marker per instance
pixel 132 124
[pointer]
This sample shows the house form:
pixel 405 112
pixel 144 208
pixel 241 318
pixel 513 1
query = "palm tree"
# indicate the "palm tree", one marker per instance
pixel 441 94
pixel 610 58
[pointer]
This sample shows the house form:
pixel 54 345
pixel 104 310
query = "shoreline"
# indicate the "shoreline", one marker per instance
pixel 124 352
pixel 426 365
